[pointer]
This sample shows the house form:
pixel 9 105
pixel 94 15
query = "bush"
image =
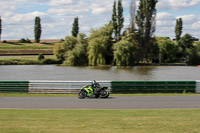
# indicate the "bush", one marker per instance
pixel 24 40
pixel 4 41
pixel 194 58
pixel 40 57
pixel 51 61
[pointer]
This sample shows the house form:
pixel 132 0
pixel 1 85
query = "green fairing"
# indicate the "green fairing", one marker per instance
pixel 89 89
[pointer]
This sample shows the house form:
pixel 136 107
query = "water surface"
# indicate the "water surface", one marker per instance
pixel 53 72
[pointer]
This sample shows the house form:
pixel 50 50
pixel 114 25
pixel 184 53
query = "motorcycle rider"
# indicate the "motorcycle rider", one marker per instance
pixel 96 85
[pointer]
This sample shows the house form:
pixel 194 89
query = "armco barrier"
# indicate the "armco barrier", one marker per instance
pixel 60 86
pixel 198 86
pixel 38 86
pixel 14 86
pixel 153 86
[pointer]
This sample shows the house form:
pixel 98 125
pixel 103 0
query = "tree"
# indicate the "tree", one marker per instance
pixel 78 55
pixel 178 28
pixel 145 20
pixel 37 29
pixel 120 19
pixel 194 57
pixel 75 28
pixel 40 57
pixel 186 44
pixel 59 51
pixel 114 21
pixel 0 28
pixel 123 54
pixel 132 15
pixel 168 49
pixel 100 46
pixel 70 43
pixel 117 19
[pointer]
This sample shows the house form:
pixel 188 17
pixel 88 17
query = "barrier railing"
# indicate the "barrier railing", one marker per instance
pixel 14 86
pixel 60 86
pixel 42 86
pixel 153 86
pixel 198 86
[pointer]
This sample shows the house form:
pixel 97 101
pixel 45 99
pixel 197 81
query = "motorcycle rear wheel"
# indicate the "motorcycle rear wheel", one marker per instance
pixel 104 94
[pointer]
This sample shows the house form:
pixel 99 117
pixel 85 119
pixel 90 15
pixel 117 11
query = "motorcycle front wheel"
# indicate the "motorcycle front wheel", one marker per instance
pixel 82 94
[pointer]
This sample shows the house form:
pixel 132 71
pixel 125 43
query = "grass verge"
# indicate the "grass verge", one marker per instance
pixel 25 46
pixel 26 60
pixel 74 95
pixel 98 121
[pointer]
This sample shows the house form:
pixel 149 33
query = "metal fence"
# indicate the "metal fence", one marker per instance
pixel 43 86
pixel 198 86
pixel 61 86
pixel 14 86
pixel 153 86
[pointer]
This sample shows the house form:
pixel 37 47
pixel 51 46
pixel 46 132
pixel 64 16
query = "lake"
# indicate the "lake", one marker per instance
pixel 66 73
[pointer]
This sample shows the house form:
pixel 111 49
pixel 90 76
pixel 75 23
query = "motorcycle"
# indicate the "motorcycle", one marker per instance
pixel 93 90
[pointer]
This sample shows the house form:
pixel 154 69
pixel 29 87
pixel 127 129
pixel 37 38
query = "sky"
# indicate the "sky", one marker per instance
pixel 57 17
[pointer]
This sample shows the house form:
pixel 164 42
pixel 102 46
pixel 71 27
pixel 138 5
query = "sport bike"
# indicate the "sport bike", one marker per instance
pixel 93 90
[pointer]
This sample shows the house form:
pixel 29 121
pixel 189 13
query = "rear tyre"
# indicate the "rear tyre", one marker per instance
pixel 104 94
pixel 82 94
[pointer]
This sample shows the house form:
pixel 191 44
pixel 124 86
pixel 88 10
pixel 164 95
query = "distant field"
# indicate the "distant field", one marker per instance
pixel 41 41
pixel 25 46
pixel 23 60
pixel 26 52
pixel 100 121
pixel 25 49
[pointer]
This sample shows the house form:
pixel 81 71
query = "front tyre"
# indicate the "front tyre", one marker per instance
pixel 104 94
pixel 82 94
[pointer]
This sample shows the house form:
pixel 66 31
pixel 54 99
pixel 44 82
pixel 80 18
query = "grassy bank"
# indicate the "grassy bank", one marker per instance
pixel 7 46
pixel 75 95
pixel 98 121
pixel 25 60
pixel 25 49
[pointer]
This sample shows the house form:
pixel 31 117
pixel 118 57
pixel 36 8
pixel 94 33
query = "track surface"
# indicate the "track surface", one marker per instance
pixel 132 102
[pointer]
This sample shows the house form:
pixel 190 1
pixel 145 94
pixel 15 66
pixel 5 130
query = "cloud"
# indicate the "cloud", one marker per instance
pixel 165 19
pixel 60 2
pixel 188 19
pixel 176 4
pixel 166 24
pixel 101 7
pixel 164 16
pixel 72 9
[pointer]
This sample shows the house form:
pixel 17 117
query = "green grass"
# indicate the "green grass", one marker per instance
pixel 23 60
pixel 100 121
pixel 74 95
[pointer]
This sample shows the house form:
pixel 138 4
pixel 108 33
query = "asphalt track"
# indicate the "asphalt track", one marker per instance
pixel 122 102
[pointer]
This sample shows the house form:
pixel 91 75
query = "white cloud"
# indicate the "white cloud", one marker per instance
pixel 188 19
pixel 102 7
pixel 73 9
pixel 176 4
pixel 166 24
pixel 164 16
pixel 58 16
pixel 165 19
pixel 60 2
pixel 196 25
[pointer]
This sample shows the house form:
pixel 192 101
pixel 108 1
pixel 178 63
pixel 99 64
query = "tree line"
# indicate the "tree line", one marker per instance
pixel 136 44
pixel 114 44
